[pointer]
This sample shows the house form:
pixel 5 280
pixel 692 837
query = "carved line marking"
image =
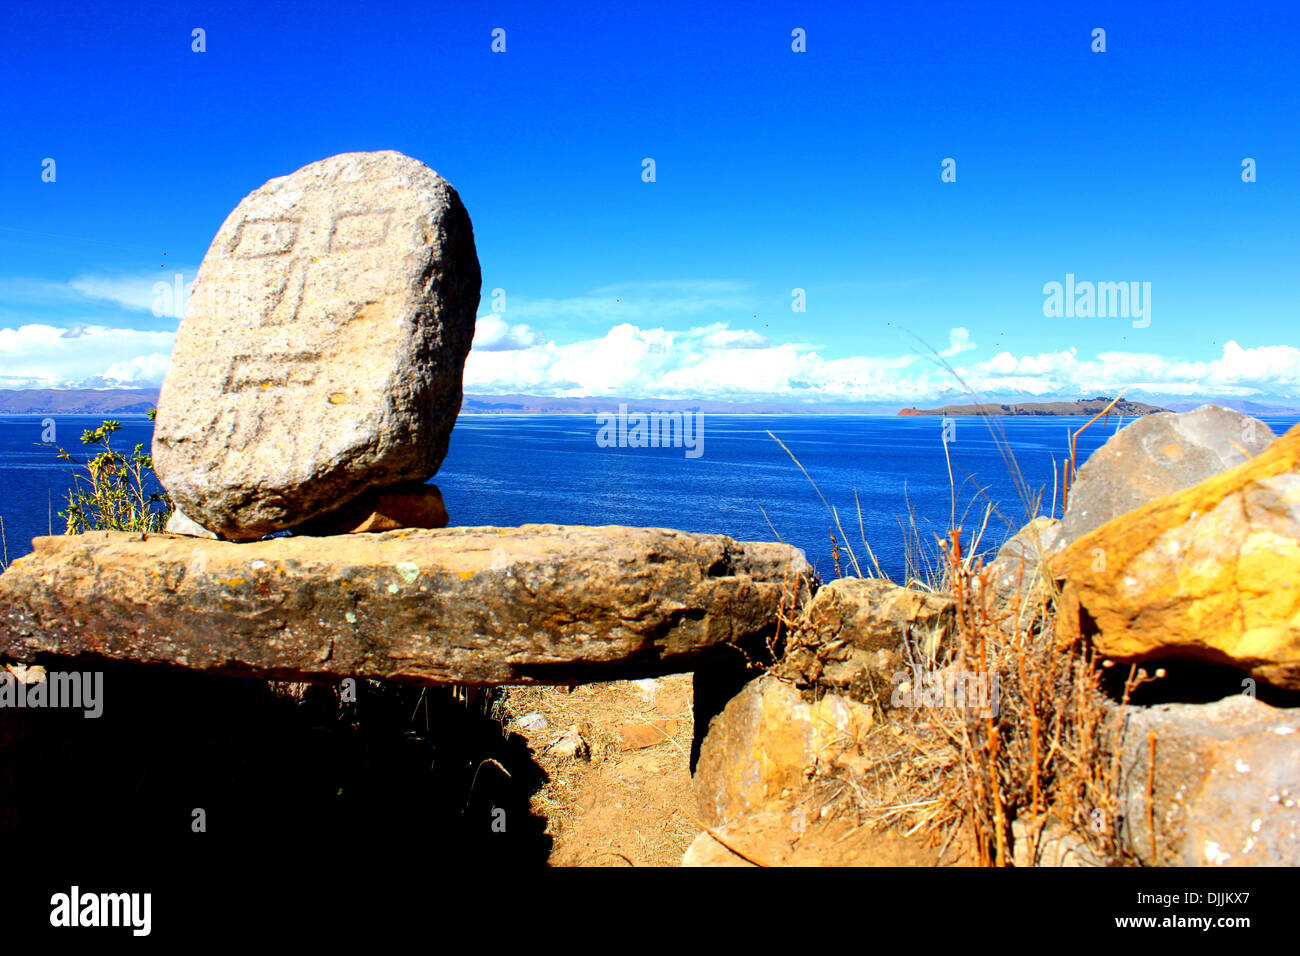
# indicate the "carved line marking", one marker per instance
pixel 278 370
pixel 284 308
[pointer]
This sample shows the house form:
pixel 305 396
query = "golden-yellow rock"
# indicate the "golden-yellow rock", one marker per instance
pixel 766 744
pixel 1211 573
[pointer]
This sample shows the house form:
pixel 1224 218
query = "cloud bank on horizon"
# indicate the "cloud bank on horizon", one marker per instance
pixel 718 363
pixel 651 349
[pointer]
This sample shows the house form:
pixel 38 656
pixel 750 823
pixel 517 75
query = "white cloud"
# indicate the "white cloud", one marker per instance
pixel 494 334
pixel 142 369
pixel 1270 370
pixel 711 361
pixel 718 336
pixel 958 342
pixel 135 294
pixel 704 362
pixel 707 362
pixel 645 352
pixel 47 356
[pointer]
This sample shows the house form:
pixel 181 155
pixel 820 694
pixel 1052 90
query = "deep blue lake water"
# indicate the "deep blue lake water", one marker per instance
pixel 509 470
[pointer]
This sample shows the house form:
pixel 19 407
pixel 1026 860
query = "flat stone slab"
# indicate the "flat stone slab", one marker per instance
pixel 537 604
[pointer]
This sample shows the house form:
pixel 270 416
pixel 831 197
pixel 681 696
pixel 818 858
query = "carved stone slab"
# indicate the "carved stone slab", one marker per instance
pixel 323 347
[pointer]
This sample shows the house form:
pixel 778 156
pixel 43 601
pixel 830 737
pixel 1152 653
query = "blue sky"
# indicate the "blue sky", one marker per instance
pixel 775 171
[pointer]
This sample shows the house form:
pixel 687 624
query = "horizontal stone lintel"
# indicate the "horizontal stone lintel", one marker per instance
pixel 537 604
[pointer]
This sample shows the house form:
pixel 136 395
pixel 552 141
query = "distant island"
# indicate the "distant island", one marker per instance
pixel 1082 406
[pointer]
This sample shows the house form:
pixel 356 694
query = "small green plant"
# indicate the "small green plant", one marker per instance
pixel 115 491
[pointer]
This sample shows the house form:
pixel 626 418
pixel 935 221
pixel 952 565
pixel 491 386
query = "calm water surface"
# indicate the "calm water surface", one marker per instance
pixel 510 470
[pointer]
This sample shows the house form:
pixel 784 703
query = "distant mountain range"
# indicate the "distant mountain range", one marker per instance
pixel 77 401
pixel 535 405
pixel 1236 404
pixel 1082 406
pixel 137 401
pixel 131 401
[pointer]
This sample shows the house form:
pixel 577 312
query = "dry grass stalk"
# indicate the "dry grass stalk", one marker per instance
pixel 1047 748
pixel 1042 746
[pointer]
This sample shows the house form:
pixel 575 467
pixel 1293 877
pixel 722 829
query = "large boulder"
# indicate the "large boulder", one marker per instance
pixel 1225 790
pixel 539 604
pixel 323 347
pixel 1210 574
pixel 1157 455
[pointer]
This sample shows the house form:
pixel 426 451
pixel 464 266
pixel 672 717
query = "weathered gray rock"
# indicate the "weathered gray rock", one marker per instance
pixel 323 348
pixel 1226 787
pixel 850 637
pixel 1158 455
pixel 1016 570
pixel 537 604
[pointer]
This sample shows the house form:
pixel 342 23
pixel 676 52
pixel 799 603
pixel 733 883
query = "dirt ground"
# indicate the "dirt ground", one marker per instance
pixel 629 803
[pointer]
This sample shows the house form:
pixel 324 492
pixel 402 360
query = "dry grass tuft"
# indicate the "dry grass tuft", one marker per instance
pixel 1040 746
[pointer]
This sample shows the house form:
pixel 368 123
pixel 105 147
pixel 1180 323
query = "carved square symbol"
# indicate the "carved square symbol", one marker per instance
pixel 265 237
